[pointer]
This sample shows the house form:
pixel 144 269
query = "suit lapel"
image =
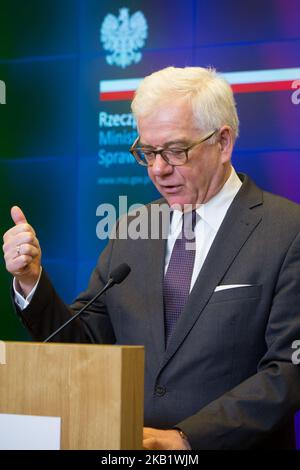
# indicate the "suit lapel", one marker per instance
pixel 154 298
pixel 154 273
pixel 237 226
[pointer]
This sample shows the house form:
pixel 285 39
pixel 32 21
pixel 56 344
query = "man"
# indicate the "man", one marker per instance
pixel 218 321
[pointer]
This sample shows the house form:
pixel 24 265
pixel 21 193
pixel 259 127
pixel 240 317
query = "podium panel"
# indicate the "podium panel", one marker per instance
pixel 97 390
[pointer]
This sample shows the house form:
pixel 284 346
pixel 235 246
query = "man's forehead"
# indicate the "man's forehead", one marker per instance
pixel 168 123
pixel 156 136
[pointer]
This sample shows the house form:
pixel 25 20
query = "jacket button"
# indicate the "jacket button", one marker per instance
pixel 160 391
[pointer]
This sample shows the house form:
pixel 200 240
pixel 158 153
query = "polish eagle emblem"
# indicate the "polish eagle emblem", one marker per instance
pixel 123 37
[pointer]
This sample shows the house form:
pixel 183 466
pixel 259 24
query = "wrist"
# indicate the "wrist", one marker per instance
pixel 184 438
pixel 24 284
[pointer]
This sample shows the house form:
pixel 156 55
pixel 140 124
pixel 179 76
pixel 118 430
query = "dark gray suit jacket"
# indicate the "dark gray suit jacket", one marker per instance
pixel 226 378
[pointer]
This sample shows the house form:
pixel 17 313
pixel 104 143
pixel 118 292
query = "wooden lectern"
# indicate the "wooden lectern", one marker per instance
pixel 96 390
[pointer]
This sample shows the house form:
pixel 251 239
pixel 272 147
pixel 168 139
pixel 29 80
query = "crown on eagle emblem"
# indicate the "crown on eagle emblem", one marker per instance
pixel 123 36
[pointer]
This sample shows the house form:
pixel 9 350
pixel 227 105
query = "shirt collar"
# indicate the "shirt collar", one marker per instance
pixel 214 210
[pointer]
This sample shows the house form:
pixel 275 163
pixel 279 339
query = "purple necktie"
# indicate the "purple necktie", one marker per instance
pixel 177 281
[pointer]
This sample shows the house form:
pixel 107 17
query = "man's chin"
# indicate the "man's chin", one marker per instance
pixel 177 202
pixel 175 196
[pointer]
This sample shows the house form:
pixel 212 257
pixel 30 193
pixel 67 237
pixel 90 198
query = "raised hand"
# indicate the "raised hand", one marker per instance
pixel 22 252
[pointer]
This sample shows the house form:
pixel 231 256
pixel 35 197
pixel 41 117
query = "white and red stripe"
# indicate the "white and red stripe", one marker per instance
pixel 241 82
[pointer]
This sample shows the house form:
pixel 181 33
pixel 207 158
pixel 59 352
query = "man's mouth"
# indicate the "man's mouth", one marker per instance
pixel 170 189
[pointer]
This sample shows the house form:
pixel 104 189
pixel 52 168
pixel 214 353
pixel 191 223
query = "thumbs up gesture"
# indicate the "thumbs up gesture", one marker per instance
pixel 22 252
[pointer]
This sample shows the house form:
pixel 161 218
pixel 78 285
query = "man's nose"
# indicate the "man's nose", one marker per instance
pixel 160 166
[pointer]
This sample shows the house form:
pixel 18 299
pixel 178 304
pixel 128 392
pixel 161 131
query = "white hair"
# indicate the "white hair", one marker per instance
pixel 210 96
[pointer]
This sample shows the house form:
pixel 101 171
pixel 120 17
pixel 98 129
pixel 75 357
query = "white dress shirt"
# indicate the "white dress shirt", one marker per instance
pixel 210 216
pixel 21 301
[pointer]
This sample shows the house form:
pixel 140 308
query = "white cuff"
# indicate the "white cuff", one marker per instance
pixel 19 299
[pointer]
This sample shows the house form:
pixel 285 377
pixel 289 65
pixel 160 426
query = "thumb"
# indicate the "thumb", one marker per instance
pixel 17 215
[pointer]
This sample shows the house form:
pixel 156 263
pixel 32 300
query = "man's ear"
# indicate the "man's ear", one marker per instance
pixel 225 143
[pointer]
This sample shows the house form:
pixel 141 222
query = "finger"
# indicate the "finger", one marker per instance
pixel 18 215
pixel 18 264
pixel 11 246
pixel 20 228
pixel 25 238
pixel 24 249
pixel 158 444
pixel 153 433
pixel 149 432
pixel 149 444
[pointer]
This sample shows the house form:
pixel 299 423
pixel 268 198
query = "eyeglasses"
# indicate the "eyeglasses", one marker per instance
pixel 174 156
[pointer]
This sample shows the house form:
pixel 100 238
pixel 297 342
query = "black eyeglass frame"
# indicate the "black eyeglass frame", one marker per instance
pixel 133 150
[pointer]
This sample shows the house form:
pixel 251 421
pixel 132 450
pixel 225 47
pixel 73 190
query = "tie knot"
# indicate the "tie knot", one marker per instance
pixel 189 220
